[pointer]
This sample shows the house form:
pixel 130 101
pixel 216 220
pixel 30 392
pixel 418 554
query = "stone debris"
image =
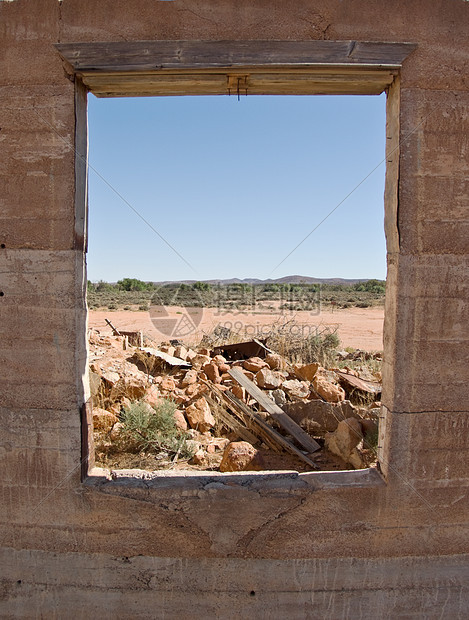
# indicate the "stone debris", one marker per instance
pixel 268 379
pixel 344 441
pixel 241 456
pixel 296 389
pixel 103 420
pixel 312 396
pixel 306 372
pixel 200 416
pixel 330 392
pixel 254 364
pixel 276 361
pixel 319 417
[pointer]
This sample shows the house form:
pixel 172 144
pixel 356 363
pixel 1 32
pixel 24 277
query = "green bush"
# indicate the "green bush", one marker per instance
pixel 372 286
pixel 156 431
pixel 131 284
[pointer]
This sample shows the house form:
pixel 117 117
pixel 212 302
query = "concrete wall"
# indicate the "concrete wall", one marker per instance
pixel 343 545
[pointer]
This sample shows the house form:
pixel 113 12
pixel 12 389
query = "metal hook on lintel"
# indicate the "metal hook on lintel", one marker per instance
pixel 237 83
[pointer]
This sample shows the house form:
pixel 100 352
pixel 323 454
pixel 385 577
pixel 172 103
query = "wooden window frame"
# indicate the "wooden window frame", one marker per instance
pixel 170 68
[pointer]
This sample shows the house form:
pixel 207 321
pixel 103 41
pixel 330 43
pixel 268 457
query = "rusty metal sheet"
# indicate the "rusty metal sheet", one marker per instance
pixel 243 350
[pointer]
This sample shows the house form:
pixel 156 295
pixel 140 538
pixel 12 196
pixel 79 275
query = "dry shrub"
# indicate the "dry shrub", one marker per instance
pixel 289 340
pixel 147 431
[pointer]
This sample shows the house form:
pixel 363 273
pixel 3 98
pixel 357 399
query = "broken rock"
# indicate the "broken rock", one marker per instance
pixel 199 458
pixel 103 420
pixel 153 396
pixel 276 361
pixel 195 389
pixel 254 364
pixel 180 352
pixel 268 379
pixel 241 456
pixel 220 361
pixel 189 378
pixel 133 388
pixel 180 420
pixel 116 431
pixel 344 441
pixel 296 389
pixel 212 372
pixel 238 391
pixel 306 372
pixel 279 397
pixel 317 417
pixel 200 416
pixel 168 384
pixel 331 392
pixel 199 360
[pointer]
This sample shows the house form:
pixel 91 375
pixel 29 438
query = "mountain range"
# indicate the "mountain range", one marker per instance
pixel 285 280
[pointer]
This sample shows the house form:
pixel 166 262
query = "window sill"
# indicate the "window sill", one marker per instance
pixel 132 482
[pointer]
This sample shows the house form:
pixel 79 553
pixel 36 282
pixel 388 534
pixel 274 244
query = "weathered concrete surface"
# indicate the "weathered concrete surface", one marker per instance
pixel 91 586
pixel 319 545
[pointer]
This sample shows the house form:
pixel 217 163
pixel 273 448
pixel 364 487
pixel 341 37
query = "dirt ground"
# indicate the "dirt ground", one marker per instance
pixel 361 328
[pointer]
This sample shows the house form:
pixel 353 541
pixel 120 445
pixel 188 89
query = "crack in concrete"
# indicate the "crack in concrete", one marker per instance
pixel 315 22
pixel 247 540
pixel 212 21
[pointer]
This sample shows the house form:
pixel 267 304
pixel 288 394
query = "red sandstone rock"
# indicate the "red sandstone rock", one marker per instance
pixel 329 391
pixel 238 391
pixel 268 379
pixel 344 441
pixel 220 361
pixel 103 420
pixel 189 378
pixel 296 389
pixel 181 352
pixel 254 364
pixel 200 416
pixel 307 371
pixel 212 372
pixel 276 361
pixel 168 384
pixel 180 420
pixel 241 456
pixel 153 396
pixel 199 360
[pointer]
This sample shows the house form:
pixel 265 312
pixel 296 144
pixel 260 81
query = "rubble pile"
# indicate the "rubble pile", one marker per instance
pixel 236 411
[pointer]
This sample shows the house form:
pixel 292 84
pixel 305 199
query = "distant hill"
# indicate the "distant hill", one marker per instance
pixel 284 280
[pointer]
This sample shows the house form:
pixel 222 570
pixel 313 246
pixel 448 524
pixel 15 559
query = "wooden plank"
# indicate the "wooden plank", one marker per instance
pixel 244 417
pixel 87 439
pixel 271 432
pixel 158 55
pixel 309 81
pixel 127 89
pixel 274 411
pixel 81 169
pixel 253 420
pixel 231 422
pixel 115 331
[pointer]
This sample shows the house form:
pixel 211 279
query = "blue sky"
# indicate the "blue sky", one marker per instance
pixel 235 186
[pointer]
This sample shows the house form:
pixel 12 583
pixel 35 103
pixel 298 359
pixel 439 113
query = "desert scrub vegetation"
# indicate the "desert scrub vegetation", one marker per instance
pixel 153 429
pixel 139 295
pixel 289 340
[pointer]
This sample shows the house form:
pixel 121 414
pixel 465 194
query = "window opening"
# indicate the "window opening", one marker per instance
pixel 220 193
